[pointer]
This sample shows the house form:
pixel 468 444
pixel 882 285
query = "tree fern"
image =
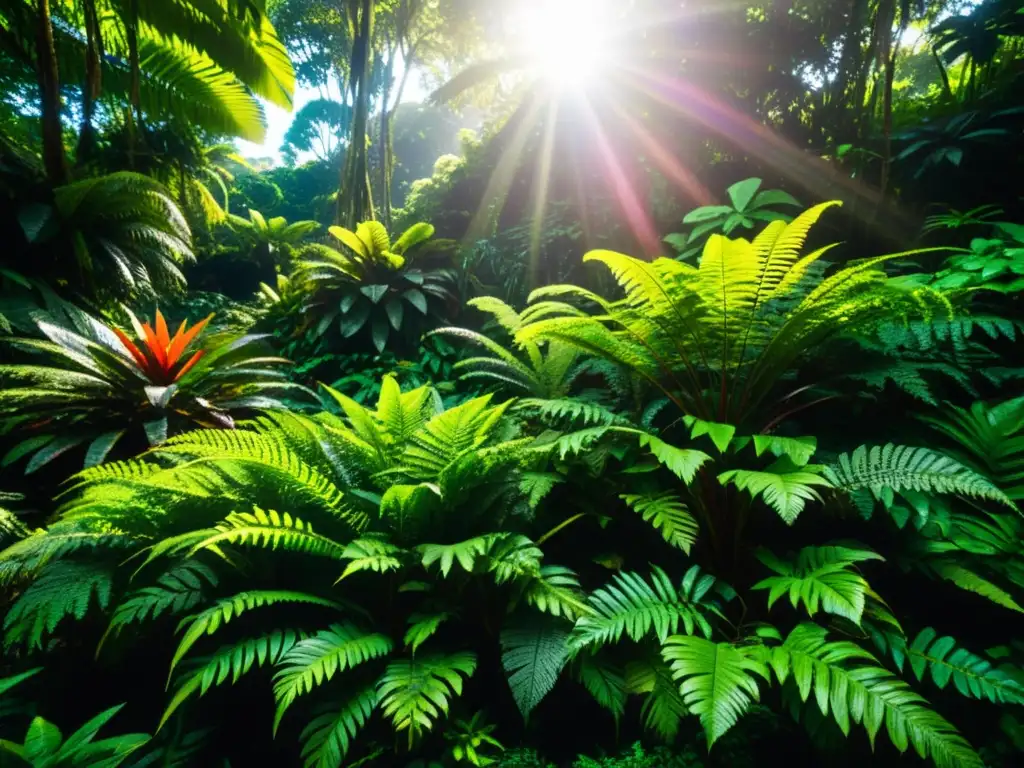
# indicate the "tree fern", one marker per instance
pixel 225 609
pixel 231 660
pixel 820 576
pixel 632 606
pixel 849 683
pixel 667 513
pixel 415 692
pixel 899 467
pixel 315 660
pixel 327 738
pixel 717 680
pixel 63 589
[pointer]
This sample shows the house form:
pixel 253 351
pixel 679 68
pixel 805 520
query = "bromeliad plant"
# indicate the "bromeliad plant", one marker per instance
pixel 376 287
pixel 89 384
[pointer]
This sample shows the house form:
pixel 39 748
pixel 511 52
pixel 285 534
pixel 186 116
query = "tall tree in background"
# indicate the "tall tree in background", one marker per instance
pixel 49 95
pixel 355 200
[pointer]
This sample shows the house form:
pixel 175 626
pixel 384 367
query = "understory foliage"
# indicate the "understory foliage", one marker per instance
pixel 646 524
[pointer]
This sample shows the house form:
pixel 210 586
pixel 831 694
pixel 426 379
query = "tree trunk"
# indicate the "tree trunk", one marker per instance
pixel 54 159
pixel 355 204
pixel 384 151
pixel 134 95
pixel 890 74
pixel 93 79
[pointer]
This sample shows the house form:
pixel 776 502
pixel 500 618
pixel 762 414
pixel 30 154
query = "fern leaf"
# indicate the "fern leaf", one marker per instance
pixel 271 530
pixel 422 627
pixel 374 555
pixel 972 675
pixel 820 577
pixel 681 462
pixel 224 610
pixel 785 487
pixel 848 682
pixel 717 680
pixel 415 692
pixel 899 467
pixel 232 660
pixel 556 590
pixel 327 738
pixel 533 654
pixel 669 516
pixel 315 660
pixel 968 580
pixel 798 449
pixel 65 588
pixel 604 681
pixel 663 706
pixel 177 590
pixel 632 606
pixel 465 553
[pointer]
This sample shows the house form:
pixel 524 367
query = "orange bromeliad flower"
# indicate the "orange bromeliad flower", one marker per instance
pixel 161 354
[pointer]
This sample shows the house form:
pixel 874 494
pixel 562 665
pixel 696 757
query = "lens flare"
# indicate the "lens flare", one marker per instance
pixel 565 41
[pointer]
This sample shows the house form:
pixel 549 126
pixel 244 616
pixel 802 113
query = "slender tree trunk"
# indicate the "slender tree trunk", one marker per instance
pixel 54 159
pixel 355 203
pixel 93 79
pixel 384 152
pixel 943 74
pixel 134 95
pixel 890 74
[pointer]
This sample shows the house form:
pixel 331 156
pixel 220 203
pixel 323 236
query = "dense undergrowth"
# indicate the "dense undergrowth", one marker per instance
pixel 671 422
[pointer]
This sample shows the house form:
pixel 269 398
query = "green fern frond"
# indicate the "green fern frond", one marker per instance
pixel 717 680
pixel 415 692
pixel 533 654
pixel 784 486
pixel 820 576
pixel 663 706
pixel 669 516
pixel 374 555
pixel 970 581
pixel 231 660
pixel 225 609
pixel 632 606
pixel 568 412
pixel 422 627
pixel 315 660
pixel 178 589
pixel 556 590
pixel 63 589
pixel 271 530
pixel 466 553
pixel 684 463
pixel 327 738
pixel 899 467
pixel 849 683
pixel 973 676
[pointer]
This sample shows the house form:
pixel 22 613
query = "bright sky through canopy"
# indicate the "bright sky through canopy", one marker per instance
pixel 566 41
